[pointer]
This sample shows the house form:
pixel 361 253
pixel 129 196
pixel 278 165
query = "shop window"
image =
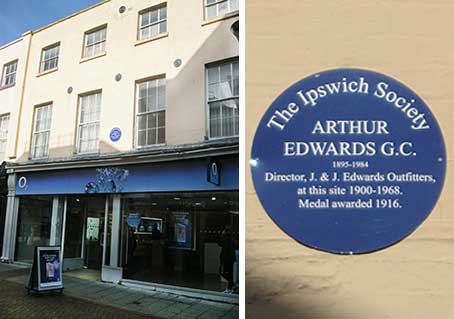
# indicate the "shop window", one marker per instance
pixel 180 239
pixel 223 99
pixel 9 74
pixel 49 57
pixel 34 225
pixel 151 114
pixel 4 123
pixel 152 21
pixel 95 41
pixel 89 121
pixel 41 131
pixel 219 8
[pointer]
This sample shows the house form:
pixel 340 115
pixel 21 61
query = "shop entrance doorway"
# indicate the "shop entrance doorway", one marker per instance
pixel 84 232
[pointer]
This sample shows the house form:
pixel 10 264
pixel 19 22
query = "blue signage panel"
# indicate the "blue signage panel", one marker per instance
pixel 348 161
pixel 184 175
pixel 133 220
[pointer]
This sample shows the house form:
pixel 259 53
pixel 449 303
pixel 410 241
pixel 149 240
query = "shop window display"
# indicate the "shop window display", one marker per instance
pixel 181 239
pixel 34 225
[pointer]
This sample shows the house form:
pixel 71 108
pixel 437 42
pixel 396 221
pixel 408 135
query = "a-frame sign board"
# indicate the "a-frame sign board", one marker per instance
pixel 46 272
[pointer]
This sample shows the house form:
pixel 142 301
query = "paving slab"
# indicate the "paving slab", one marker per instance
pixel 140 302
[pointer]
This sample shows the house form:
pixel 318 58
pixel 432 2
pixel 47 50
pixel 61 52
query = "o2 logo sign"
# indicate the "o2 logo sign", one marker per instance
pixel 22 182
pixel 348 161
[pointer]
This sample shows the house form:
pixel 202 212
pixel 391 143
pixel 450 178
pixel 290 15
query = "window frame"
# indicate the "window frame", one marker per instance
pixel 147 10
pixel 218 64
pixel 137 114
pixel 35 133
pixel 216 3
pixel 4 138
pixel 42 61
pixel 85 42
pixel 5 76
pixel 79 124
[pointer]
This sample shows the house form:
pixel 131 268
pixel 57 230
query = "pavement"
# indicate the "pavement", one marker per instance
pixel 92 299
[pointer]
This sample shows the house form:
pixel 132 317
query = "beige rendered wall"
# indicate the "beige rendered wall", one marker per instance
pixel 10 96
pixel 412 41
pixel 189 39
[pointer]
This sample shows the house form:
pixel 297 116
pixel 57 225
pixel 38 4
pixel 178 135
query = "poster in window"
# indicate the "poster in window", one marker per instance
pixel 181 234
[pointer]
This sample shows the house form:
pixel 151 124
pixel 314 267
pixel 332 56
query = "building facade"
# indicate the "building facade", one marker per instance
pixel 126 146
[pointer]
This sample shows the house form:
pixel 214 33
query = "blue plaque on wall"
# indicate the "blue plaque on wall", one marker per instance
pixel 115 134
pixel 348 161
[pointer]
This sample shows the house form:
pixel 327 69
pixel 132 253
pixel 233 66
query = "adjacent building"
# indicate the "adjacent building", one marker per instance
pixel 119 132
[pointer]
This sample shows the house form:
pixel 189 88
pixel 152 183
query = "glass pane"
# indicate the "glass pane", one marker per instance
pixel 215 115
pixel 163 27
pixel 215 128
pixel 213 75
pixel 152 120
pixel 142 122
pixel 162 118
pixel 145 33
pixel 142 105
pixel 161 135
pixel 152 97
pixel 90 39
pixel 213 92
pixel 151 137
pixel 234 5
pixel 225 90
pixel 154 29
pixel 142 138
pixel 226 72
pixel 161 94
pixel 154 16
pixel 163 13
pixel 145 19
pixel 211 12
pixel 34 223
pixel 223 8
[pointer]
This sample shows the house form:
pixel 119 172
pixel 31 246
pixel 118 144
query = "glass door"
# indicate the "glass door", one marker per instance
pixel 94 232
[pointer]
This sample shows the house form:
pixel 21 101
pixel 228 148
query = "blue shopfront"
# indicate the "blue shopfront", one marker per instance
pixel 158 222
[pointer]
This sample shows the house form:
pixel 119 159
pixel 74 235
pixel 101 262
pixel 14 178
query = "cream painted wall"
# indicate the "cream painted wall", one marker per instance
pixel 195 44
pixel 10 96
pixel 412 41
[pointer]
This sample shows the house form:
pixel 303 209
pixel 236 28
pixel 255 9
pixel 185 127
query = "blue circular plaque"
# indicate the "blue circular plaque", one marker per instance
pixel 115 134
pixel 348 161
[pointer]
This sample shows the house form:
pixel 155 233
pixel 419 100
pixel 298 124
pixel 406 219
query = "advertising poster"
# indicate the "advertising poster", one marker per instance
pixel 182 236
pixel 92 229
pixel 46 272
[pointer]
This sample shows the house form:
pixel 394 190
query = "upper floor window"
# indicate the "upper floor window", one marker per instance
pixel 49 57
pixel 223 92
pixel 4 123
pixel 218 8
pixel 9 73
pixel 41 131
pixel 151 112
pixel 152 22
pixel 95 41
pixel 89 120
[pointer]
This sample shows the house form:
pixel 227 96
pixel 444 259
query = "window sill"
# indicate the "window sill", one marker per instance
pixel 38 158
pixel 221 18
pixel 94 152
pixel 156 37
pixel 151 146
pixel 93 57
pixel 7 86
pixel 47 72
pixel 222 137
